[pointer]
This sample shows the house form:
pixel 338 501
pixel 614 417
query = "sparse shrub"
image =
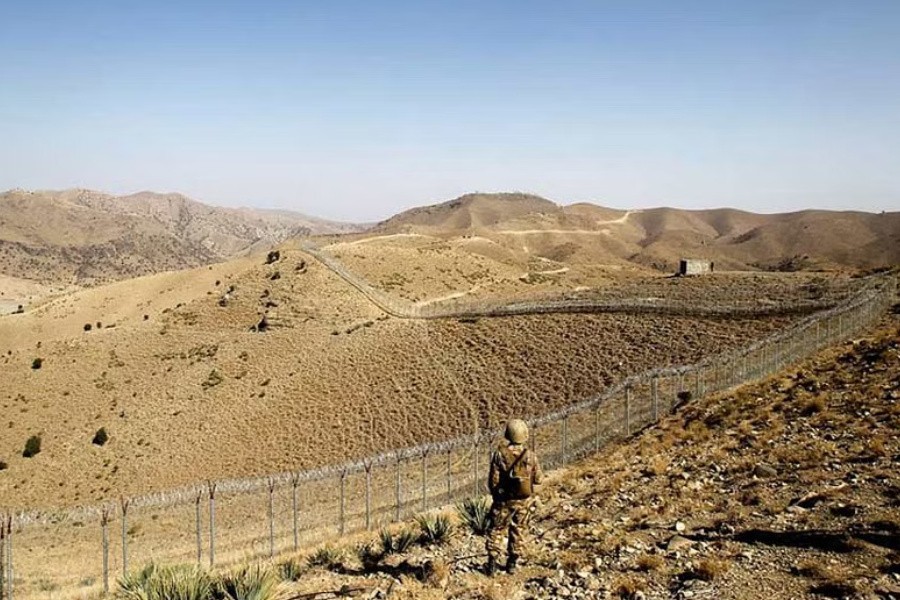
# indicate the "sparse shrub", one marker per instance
pixel 101 437
pixel 327 556
pixel 709 569
pixel 436 529
pixel 88 326
pixel 369 554
pixel 812 406
pixel 650 562
pixel 99 325
pixel 396 543
pixel 290 570
pixel 628 586
pixel 476 514
pixel 37 363
pixel 3 465
pixel 181 582
pixel 250 582
pixel 213 379
pixel 32 446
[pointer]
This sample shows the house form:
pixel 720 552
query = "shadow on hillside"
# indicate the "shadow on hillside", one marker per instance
pixel 829 541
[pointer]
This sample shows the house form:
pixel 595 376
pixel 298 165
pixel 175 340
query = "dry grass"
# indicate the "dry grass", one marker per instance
pixel 710 569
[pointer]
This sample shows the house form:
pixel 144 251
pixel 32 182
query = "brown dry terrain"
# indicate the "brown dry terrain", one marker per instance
pixel 171 369
pixel 587 234
pixel 785 489
pixel 85 237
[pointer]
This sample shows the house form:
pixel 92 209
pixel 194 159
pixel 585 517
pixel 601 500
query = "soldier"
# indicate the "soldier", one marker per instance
pixel 514 474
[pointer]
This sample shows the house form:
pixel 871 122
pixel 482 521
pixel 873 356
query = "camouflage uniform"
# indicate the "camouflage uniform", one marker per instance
pixel 510 517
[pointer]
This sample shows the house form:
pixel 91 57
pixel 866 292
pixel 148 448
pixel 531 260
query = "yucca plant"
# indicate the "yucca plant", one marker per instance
pixel 436 529
pixel 476 514
pixel 327 556
pixel 154 582
pixel 369 554
pixel 290 570
pixel 392 543
pixel 251 582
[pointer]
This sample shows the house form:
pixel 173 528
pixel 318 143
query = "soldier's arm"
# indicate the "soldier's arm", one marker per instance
pixel 494 473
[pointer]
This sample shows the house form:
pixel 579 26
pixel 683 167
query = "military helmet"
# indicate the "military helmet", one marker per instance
pixel 517 431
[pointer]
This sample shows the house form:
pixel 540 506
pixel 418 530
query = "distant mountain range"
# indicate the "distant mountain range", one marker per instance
pixel 88 237
pixel 735 239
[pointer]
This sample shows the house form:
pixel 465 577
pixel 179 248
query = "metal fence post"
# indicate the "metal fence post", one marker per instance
pixel 475 489
pixel 368 467
pixel 124 503
pixel 564 442
pixel 627 410
pixel 197 500
pixel 104 527
pixel 271 517
pixel 449 475
pixel 597 428
pixel 654 388
pixel 397 490
pixel 295 482
pixel 10 574
pixel 424 480
pixel 342 527
pixel 2 556
pixel 211 487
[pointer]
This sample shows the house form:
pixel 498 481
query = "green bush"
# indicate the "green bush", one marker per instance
pixel 290 570
pixel 436 529
pixel 32 446
pixel 326 556
pixel 3 465
pixel 250 582
pixel 396 543
pixel 181 582
pixel 101 437
pixel 476 514
pixel 37 363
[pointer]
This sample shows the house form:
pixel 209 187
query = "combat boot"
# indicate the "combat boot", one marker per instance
pixel 490 569
pixel 512 564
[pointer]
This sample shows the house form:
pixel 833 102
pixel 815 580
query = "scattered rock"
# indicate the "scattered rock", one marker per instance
pixel 765 471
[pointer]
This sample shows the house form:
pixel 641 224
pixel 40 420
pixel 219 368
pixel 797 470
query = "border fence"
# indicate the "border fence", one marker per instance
pixel 78 552
pixel 457 308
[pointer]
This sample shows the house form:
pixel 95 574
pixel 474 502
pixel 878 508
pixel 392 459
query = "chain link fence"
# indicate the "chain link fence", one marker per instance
pixel 78 552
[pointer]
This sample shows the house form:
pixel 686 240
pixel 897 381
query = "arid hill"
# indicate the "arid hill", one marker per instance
pixel 249 367
pixel 84 237
pixel 657 238
pixel 784 489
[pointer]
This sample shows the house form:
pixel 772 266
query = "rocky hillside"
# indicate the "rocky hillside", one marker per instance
pixel 657 238
pixel 784 489
pixel 86 237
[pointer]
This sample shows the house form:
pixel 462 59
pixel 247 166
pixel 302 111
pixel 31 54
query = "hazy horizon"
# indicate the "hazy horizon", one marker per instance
pixel 355 111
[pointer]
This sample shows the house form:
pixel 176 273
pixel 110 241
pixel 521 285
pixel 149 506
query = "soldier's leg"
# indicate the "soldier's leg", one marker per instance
pixel 500 516
pixel 519 532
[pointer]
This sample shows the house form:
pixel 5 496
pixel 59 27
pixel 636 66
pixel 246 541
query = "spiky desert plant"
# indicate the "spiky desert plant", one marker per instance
pixel 435 529
pixel 396 543
pixel 327 556
pixel 476 514
pixel 251 582
pixel 180 582
pixel 290 570
pixel 369 554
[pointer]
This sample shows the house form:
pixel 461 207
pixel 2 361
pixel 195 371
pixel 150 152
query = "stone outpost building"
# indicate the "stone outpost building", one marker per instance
pixel 694 266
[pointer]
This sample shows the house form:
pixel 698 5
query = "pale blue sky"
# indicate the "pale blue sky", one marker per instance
pixel 356 110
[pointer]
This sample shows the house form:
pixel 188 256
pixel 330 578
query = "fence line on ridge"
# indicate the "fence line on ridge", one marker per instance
pixel 266 516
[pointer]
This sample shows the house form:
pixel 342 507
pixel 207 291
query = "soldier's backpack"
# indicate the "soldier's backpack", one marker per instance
pixel 517 478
